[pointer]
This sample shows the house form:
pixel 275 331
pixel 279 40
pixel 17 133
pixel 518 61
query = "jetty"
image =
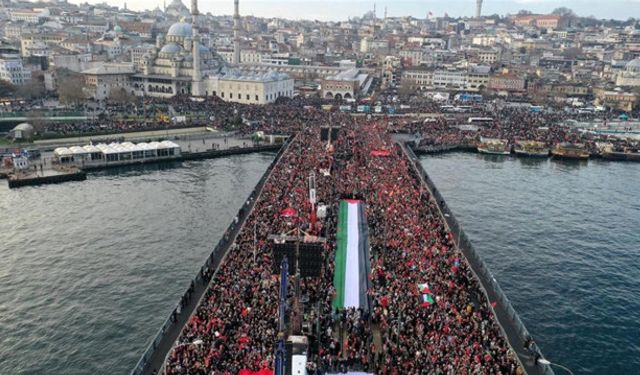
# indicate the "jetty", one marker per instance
pixel 46 176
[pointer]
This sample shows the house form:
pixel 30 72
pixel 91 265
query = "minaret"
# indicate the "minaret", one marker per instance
pixel 236 33
pixel 478 8
pixel 195 50
pixel 194 10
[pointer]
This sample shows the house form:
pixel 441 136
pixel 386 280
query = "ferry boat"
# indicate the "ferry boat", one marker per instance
pixel 566 150
pixel 494 146
pixel 534 149
pixel 610 152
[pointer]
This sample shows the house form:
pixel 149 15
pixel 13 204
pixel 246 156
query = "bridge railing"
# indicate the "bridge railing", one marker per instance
pixel 211 264
pixel 506 316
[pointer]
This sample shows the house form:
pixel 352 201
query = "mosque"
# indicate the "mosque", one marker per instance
pixel 631 74
pixel 181 64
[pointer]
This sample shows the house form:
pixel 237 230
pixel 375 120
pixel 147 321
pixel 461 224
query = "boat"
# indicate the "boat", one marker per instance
pixel 533 149
pixel 494 146
pixel 573 151
pixel 610 152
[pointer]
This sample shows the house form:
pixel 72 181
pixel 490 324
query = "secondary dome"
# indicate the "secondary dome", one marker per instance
pixel 171 48
pixel 180 29
pixel 633 65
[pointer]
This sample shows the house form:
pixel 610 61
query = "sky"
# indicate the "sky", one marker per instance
pixel 343 9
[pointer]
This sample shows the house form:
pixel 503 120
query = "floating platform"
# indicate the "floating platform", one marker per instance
pixel 49 176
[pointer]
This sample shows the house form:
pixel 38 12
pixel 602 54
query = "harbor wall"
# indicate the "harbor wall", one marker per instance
pixel 154 356
pixel 16 182
pixel 506 316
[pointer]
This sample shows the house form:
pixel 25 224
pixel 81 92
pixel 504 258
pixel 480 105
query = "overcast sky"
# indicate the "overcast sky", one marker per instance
pixel 343 9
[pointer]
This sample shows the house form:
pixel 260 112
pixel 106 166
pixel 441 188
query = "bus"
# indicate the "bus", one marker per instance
pixel 480 120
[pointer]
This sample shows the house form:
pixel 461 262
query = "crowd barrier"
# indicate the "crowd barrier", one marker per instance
pixel 507 317
pixel 211 265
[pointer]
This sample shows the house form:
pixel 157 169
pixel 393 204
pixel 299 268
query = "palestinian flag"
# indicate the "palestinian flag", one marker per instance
pixel 426 296
pixel 351 275
pixel 427 300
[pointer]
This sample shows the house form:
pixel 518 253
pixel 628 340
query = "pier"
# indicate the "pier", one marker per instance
pixel 43 177
pixel 171 346
pixel 195 146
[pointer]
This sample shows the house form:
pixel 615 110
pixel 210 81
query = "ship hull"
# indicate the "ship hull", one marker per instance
pixel 492 152
pixel 532 154
pixel 621 156
pixel 569 156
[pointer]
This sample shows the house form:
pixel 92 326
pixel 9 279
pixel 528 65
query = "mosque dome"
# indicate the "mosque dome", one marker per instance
pixel 180 29
pixel 171 48
pixel 633 66
pixel 203 49
pixel 117 29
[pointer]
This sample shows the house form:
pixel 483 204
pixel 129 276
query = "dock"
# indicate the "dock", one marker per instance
pixel 46 176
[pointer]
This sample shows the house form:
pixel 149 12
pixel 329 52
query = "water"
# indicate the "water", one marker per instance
pixel 90 270
pixel 562 240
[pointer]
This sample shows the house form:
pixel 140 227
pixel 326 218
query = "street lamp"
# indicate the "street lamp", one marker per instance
pixel 543 361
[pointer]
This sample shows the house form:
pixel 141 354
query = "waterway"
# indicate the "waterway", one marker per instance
pixel 562 240
pixel 90 270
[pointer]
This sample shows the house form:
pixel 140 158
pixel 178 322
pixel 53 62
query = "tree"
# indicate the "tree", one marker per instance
pixel 6 88
pixel 121 96
pixel 564 12
pixel 32 89
pixel 70 87
pixel 37 119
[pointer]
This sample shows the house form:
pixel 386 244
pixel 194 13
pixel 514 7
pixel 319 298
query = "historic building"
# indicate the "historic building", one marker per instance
pixel 181 64
pixel 631 74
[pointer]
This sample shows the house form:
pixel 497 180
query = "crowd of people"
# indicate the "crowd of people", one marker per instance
pixel 236 326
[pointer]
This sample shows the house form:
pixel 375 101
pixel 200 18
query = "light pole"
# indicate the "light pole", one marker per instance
pixel 543 361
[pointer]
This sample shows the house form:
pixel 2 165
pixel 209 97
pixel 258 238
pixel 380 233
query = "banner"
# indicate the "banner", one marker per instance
pixel 351 274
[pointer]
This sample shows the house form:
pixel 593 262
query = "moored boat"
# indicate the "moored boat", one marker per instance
pixel 610 152
pixel 574 151
pixel 531 149
pixel 494 146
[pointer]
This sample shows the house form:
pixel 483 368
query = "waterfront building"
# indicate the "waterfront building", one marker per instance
pixel 506 82
pixel 344 85
pixel 13 70
pixel 105 79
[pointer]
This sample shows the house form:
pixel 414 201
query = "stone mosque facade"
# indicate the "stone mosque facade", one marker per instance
pixel 180 64
pixel 631 75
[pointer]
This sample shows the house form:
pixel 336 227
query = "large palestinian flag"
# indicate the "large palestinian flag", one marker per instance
pixel 351 275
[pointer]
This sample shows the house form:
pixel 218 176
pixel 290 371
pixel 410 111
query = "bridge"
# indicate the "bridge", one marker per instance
pixel 510 325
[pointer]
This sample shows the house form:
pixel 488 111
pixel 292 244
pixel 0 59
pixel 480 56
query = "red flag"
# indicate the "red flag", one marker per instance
pixel 288 212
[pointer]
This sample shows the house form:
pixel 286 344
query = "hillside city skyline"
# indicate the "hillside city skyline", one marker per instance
pixel 342 10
